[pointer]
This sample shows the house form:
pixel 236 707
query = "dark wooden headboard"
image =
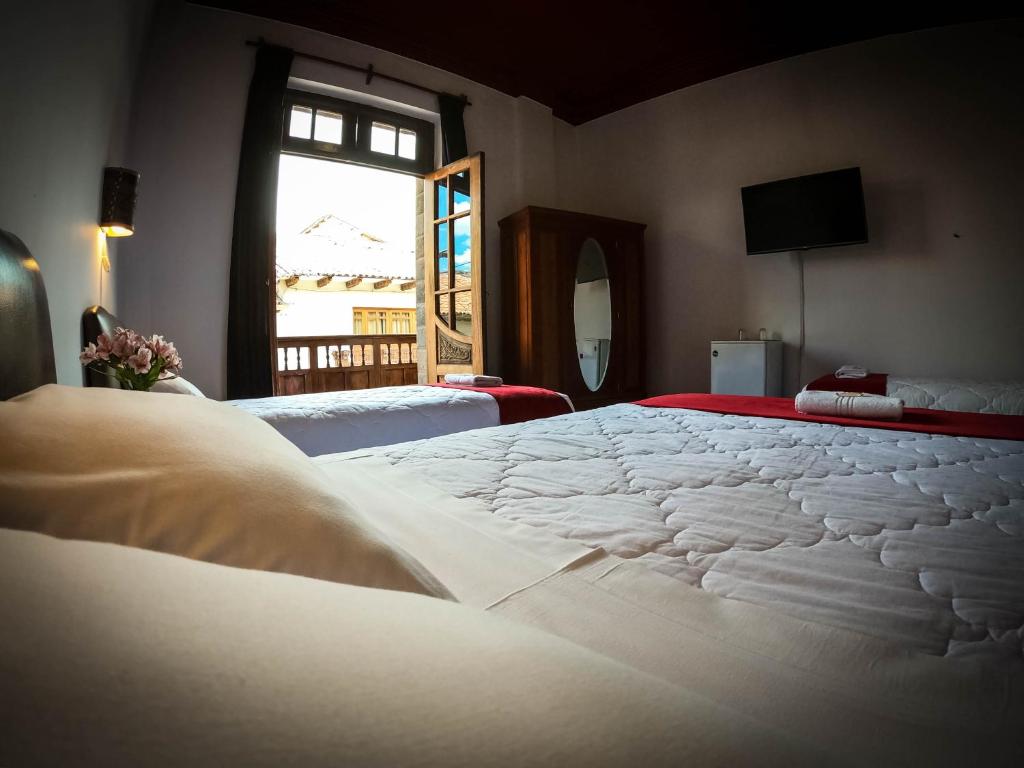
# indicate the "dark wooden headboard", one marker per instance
pixel 97 320
pixel 26 341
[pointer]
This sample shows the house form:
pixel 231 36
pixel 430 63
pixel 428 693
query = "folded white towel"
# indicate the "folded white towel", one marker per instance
pixel 855 405
pixel 472 380
pixel 851 372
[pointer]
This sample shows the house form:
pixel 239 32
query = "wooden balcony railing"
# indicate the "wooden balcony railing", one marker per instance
pixel 337 363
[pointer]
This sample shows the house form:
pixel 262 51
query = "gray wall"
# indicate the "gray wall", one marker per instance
pixel 936 123
pixel 66 80
pixel 174 277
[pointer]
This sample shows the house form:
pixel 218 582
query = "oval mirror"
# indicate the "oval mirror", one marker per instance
pixel 592 314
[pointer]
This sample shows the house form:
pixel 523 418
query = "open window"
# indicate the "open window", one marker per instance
pixel 454 277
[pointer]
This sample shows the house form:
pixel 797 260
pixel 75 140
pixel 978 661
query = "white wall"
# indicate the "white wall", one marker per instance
pixel 936 123
pixel 933 119
pixel 174 277
pixel 66 79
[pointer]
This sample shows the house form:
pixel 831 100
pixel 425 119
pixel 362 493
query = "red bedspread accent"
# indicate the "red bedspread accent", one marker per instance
pixel 955 423
pixel 516 403
pixel 873 384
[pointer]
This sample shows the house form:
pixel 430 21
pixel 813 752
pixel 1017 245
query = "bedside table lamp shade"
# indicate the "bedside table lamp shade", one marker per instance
pixel 117 211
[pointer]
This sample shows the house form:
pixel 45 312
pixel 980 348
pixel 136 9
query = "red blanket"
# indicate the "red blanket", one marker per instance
pixel 516 404
pixel 956 423
pixel 873 384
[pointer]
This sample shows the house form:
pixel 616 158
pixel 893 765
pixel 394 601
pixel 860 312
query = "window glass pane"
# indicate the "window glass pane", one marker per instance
pixel 462 250
pixel 442 308
pixel 382 138
pixel 464 312
pixel 460 186
pixel 301 122
pixel 441 207
pixel 328 127
pixel 441 248
pixel 407 144
pixel 357 323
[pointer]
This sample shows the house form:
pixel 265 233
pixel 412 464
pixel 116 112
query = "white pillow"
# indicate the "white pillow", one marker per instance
pixel 177 386
pixel 187 476
pixel 118 656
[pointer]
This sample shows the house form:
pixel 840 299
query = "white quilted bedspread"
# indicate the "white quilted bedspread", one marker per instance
pixel 1006 397
pixel 914 538
pixel 331 422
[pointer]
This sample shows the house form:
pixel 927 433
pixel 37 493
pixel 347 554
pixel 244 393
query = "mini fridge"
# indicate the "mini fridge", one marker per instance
pixel 746 368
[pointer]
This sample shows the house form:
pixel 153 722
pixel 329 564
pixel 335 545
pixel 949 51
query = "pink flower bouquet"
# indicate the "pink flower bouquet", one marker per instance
pixel 135 361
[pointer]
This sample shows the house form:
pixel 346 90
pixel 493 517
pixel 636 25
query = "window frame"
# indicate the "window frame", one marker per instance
pixel 406 313
pixel 357 122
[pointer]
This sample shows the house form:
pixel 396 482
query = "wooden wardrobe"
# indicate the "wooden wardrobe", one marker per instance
pixel 550 262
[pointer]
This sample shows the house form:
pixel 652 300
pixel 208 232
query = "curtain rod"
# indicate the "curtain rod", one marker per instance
pixel 368 70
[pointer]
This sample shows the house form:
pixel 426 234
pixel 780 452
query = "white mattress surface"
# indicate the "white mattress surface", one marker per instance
pixel 331 422
pixel 1006 397
pixel 912 538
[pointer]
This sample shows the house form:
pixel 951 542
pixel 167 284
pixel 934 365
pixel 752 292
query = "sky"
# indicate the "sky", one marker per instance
pixel 381 203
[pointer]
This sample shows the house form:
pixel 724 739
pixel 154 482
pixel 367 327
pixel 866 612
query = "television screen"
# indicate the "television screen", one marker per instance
pixel 806 212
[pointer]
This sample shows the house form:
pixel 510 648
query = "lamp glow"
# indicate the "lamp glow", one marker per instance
pixel 117 230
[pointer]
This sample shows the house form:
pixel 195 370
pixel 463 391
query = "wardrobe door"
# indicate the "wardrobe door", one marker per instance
pixel 629 262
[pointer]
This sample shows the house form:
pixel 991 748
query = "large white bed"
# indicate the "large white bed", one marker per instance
pixel 180 584
pixel 857 589
pixel 913 538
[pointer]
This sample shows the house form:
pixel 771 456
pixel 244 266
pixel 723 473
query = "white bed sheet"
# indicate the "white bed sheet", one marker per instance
pixel 912 538
pixel 859 699
pixel 974 395
pixel 331 422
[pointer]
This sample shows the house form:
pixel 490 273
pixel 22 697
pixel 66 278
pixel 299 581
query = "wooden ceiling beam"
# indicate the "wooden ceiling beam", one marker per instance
pixel 407 286
pixel 291 280
pixel 321 282
pixel 353 282
pixel 381 284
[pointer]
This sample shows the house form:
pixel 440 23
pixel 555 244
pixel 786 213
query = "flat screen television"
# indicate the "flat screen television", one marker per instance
pixel 816 211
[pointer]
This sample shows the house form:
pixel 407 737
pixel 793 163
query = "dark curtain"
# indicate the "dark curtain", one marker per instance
pixel 253 244
pixel 453 129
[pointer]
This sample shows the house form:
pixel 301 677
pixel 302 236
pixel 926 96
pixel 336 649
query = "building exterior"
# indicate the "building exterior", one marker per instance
pixel 335 279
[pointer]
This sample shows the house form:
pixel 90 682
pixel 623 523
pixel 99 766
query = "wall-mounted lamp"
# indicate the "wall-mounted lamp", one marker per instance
pixel 117 211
